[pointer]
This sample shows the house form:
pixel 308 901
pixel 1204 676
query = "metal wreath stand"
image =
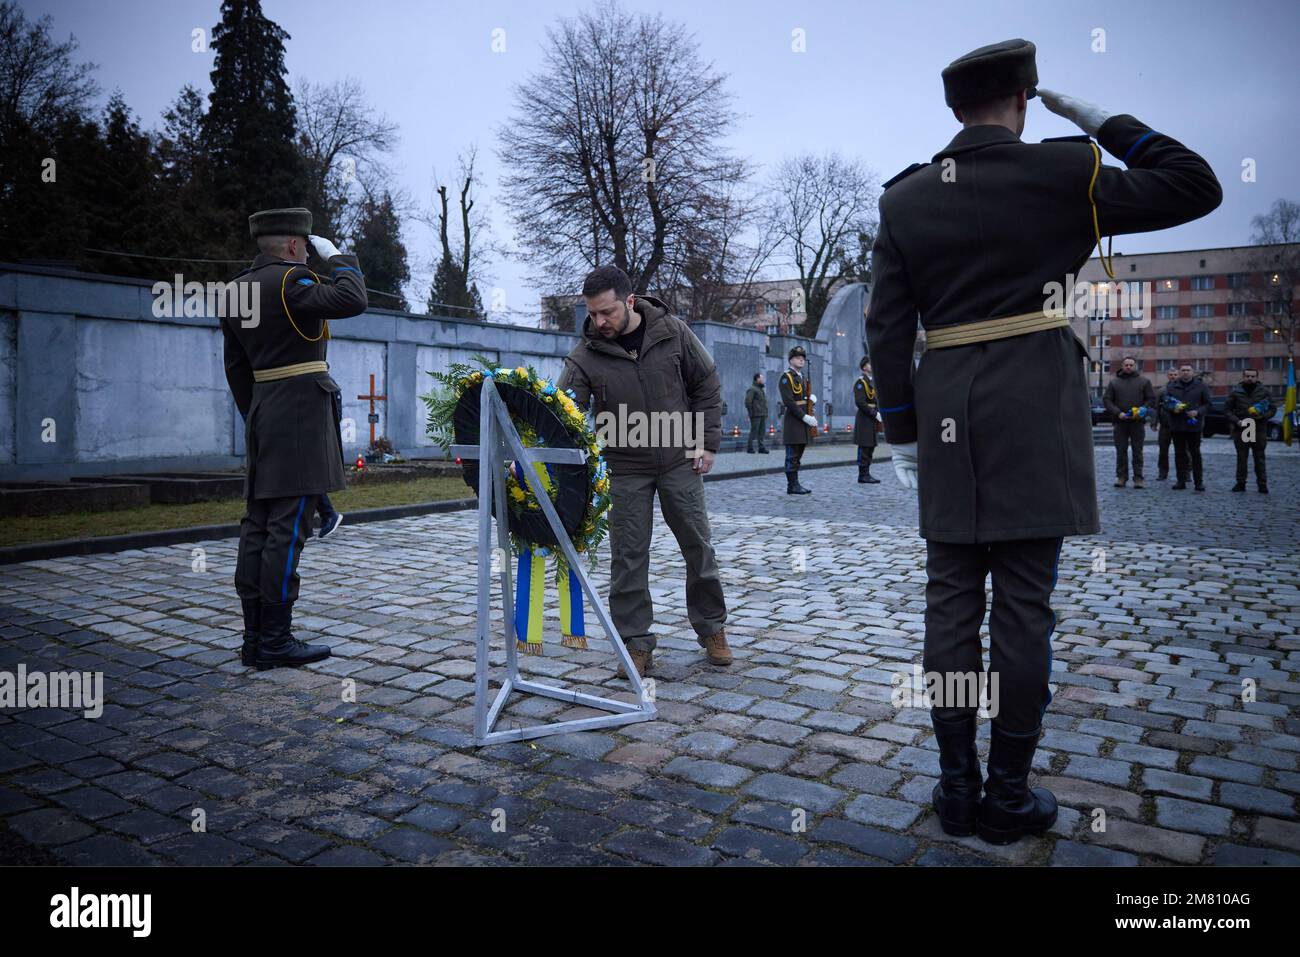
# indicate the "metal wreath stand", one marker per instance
pixel 498 441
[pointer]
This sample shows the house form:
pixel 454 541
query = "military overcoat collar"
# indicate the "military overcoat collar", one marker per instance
pixel 977 137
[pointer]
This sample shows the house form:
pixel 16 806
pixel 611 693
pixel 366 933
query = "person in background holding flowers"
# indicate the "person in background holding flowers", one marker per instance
pixel 636 360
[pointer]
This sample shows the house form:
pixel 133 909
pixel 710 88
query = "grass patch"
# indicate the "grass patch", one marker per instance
pixel 26 530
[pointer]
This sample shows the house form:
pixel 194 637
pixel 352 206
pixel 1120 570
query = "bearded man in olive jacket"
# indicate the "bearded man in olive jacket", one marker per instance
pixel 637 364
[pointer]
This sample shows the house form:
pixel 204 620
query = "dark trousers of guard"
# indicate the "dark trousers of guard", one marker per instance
pixel 1254 450
pixel 1020 661
pixel 271 539
pixel 1165 436
pixel 793 459
pixel 1129 434
pixel 1187 451
pixel 756 425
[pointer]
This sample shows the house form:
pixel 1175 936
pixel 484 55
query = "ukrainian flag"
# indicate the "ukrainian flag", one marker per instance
pixel 1290 417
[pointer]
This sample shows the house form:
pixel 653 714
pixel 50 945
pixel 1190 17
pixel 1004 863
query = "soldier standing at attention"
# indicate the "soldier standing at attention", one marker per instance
pixel 756 406
pixel 994 426
pixel 864 422
pixel 1165 426
pixel 1129 399
pixel 277 373
pixel 797 424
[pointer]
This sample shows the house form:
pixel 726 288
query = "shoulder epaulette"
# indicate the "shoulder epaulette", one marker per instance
pixel 1081 138
pixel 904 174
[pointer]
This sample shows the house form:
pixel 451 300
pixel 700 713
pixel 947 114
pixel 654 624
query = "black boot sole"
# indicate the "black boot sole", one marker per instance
pixel 955 828
pixel 1003 836
pixel 289 662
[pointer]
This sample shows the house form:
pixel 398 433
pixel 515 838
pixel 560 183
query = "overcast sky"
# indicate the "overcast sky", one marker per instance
pixel 1222 77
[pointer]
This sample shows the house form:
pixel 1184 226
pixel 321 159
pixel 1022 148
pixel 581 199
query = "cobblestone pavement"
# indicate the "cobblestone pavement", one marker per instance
pixel 795 755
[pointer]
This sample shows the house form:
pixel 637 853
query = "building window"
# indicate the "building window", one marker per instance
pixel 1203 310
pixel 1166 312
pixel 1164 365
pixel 1276 308
pixel 1275 363
pixel 1238 280
pixel 1167 285
pixel 1237 337
pixel 1236 309
pixel 1202 338
pixel 1237 363
pixel 771 309
pixel 1272 335
pixel 1166 338
pixel 1202 282
pixel 1132 338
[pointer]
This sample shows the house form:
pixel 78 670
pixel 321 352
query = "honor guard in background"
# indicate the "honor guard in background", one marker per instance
pixel 1130 400
pixel 994 425
pixel 1250 402
pixel 864 422
pixel 798 425
pixel 278 375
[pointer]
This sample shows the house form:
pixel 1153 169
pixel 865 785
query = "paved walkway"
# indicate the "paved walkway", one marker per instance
pixel 795 755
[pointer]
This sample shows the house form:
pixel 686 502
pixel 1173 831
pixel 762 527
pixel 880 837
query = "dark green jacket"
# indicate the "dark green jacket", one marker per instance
pixel 673 373
pixel 756 402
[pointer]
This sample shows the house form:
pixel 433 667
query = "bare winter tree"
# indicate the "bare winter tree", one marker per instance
pixel 614 150
pixel 342 139
pixel 40 85
pixel 1273 276
pixel 719 263
pixel 465 245
pixel 821 212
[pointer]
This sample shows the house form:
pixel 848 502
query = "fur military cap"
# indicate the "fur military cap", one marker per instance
pixel 280 222
pixel 797 351
pixel 991 71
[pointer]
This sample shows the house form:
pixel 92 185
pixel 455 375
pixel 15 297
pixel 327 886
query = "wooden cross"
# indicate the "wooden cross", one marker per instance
pixel 374 416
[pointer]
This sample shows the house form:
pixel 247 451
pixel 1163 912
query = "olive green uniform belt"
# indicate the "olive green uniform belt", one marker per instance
pixel 989 330
pixel 288 372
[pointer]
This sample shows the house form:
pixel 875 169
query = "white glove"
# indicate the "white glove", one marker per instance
pixel 1086 116
pixel 323 247
pixel 905 464
pixel 879 417
pixel 813 398
pixel 810 421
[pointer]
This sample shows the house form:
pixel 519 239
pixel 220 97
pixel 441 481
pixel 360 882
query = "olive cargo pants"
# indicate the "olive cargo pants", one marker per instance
pixel 631 523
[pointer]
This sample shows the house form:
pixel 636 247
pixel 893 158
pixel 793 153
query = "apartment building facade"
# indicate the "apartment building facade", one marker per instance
pixel 1223 310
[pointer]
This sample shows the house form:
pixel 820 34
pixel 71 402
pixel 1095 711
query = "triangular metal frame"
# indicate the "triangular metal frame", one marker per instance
pixel 499 441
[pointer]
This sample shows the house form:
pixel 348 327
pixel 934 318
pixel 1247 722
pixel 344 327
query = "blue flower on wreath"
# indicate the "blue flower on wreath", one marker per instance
pixel 549 389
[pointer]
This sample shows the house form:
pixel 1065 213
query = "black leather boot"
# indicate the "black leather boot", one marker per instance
pixel 252 630
pixel 957 795
pixel 279 648
pixel 865 476
pixel 795 488
pixel 1011 809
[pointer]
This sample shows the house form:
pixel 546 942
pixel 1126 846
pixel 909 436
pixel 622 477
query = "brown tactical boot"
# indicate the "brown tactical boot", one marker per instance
pixel 643 661
pixel 1138 483
pixel 1121 482
pixel 715 646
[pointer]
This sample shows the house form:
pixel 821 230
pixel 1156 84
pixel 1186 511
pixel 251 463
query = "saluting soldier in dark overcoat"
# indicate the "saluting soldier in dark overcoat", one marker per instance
pixel 864 422
pixel 277 373
pixel 798 426
pixel 994 424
